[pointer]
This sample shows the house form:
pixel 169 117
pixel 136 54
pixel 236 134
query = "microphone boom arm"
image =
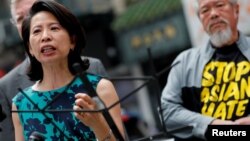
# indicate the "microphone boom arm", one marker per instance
pixel 93 93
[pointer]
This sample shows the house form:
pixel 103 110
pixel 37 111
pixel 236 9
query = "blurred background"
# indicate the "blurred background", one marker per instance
pixel 120 33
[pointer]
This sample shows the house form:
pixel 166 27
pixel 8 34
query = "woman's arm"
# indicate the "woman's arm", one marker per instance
pixel 96 121
pixel 17 125
pixel 108 94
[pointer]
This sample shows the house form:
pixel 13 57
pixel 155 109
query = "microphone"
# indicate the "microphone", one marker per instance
pixel 92 93
pixel 36 136
pixel 2 114
pixel 81 73
pixel 99 102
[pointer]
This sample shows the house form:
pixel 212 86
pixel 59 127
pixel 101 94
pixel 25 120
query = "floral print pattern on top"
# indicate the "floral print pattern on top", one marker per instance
pixel 54 126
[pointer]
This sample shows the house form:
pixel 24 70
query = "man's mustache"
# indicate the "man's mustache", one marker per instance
pixel 214 22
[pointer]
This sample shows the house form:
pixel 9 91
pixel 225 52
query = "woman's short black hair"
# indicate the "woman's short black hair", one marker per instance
pixel 68 21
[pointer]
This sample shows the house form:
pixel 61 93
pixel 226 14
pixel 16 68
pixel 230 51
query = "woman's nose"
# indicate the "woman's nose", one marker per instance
pixel 46 36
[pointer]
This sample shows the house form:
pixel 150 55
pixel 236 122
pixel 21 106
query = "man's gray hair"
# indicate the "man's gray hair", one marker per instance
pixel 196 4
pixel 12 4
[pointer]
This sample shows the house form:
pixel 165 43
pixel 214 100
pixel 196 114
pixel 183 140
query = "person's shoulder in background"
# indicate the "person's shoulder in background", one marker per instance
pixel 15 78
pixel 96 66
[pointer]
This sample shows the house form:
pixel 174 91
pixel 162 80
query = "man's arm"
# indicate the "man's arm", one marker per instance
pixel 9 85
pixel 180 121
pixel 243 120
pixel 6 125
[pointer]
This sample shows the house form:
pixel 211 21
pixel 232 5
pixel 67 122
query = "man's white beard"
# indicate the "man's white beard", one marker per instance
pixel 221 38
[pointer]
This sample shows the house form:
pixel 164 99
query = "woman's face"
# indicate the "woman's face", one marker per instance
pixel 49 41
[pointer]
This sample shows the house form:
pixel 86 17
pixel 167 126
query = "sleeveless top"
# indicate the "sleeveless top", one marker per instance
pixel 54 126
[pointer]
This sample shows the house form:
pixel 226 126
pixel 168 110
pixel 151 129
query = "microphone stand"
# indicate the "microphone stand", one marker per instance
pixel 105 109
pixel 158 90
pixel 43 112
pixel 85 110
pixel 93 94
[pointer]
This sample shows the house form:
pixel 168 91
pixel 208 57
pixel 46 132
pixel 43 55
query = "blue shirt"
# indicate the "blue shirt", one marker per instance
pixel 54 126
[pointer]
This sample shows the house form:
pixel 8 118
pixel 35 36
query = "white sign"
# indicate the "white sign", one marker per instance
pixel 196 32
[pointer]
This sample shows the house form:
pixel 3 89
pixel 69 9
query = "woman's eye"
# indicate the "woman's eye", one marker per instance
pixel 54 28
pixel 36 31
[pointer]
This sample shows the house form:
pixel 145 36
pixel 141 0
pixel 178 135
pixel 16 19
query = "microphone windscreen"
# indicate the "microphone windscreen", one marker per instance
pixel 77 67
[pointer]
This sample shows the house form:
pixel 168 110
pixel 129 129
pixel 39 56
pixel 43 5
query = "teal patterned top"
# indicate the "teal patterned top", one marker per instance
pixel 55 126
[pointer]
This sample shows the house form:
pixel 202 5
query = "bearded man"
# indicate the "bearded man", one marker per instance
pixel 210 85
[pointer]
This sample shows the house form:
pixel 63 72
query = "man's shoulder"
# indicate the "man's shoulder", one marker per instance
pixel 12 74
pixel 248 38
pixel 91 59
pixel 191 52
pixel 96 66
